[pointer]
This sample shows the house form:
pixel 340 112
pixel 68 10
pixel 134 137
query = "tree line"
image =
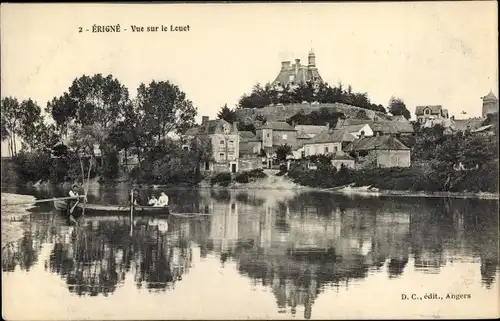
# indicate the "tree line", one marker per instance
pixel 262 96
pixel 98 111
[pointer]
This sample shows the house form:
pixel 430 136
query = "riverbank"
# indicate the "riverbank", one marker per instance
pixel 273 182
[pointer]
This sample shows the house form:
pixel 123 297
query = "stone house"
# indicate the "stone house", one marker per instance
pixel 249 144
pixel 327 142
pixel 386 151
pixel 225 145
pixel 423 113
pixel 346 160
pixel 276 133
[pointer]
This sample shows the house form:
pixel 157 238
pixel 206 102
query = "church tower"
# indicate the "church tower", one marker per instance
pixel 490 104
pixel 311 59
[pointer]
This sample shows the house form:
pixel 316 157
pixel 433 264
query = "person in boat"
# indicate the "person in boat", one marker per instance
pixel 153 201
pixel 75 194
pixel 163 200
pixel 138 201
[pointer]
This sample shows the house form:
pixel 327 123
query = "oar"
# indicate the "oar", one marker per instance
pixel 46 200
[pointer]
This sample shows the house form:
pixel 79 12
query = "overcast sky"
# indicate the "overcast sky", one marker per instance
pixel 425 53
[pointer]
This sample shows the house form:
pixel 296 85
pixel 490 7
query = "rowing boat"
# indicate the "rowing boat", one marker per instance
pixel 97 209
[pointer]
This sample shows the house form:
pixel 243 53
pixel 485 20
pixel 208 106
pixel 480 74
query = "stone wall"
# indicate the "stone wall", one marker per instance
pixel 393 158
pixel 248 164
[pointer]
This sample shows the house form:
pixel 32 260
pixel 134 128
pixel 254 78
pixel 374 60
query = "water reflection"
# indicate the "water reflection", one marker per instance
pixel 296 245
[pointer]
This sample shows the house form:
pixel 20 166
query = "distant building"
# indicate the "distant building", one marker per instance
pixel 425 113
pixel 385 151
pixel 380 127
pixel 490 104
pixel 225 144
pixel 249 144
pixel 276 133
pixel 346 160
pixel 327 142
pixel 295 74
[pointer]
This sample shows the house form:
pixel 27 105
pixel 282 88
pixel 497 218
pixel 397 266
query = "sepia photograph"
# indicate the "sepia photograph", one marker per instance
pixel 250 161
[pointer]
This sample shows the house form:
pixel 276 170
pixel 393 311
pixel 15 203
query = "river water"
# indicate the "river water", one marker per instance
pixel 259 255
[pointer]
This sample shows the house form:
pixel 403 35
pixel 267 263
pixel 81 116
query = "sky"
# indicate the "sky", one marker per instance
pixel 427 53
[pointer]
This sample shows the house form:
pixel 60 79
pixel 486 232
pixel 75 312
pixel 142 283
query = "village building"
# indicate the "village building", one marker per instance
pixel 343 160
pixel 384 151
pixel 276 133
pixel 423 113
pixel 490 104
pixel 225 144
pixel 311 130
pixel 249 144
pixel 380 127
pixel 327 142
pixel 297 73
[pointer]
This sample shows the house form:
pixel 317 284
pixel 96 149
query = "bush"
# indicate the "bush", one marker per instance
pixel 257 173
pixel 242 178
pixel 223 179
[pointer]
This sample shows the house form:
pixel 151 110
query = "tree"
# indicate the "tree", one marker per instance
pixel 397 107
pixel 227 114
pixel 11 118
pixel 90 100
pixel 32 128
pixel 165 108
pixel 4 131
pixel 283 151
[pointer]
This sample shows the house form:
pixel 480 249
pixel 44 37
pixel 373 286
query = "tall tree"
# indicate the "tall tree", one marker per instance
pixel 227 114
pixel 165 108
pixel 397 107
pixel 12 116
pixel 31 124
pixel 90 100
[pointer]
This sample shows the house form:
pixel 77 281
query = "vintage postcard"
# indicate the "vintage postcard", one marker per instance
pixel 250 161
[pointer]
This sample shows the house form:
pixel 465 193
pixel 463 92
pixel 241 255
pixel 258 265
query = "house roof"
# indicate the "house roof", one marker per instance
pixel 214 126
pixel 353 128
pixel 400 118
pixel 464 124
pixel 376 142
pixel 435 109
pixel 192 131
pixel 278 125
pixel 491 96
pixel 311 129
pixel 331 136
pixel 247 136
pixel 482 128
pixel 302 134
pixel 342 157
pixel 384 126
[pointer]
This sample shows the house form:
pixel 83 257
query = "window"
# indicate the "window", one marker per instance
pixel 221 156
pixel 268 135
pixel 231 142
pixel 285 136
pixel 230 154
pixel 222 143
pixel 326 149
pixel 303 154
pixel 335 149
pixel 427 111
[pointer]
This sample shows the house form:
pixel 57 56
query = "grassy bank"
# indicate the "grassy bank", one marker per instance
pixel 413 179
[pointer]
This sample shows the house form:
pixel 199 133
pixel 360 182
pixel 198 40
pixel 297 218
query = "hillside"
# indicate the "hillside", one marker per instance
pixel 283 112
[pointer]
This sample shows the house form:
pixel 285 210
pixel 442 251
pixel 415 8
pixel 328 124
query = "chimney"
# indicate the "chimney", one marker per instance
pixel 297 66
pixel 285 65
pixel 204 119
pixel 235 126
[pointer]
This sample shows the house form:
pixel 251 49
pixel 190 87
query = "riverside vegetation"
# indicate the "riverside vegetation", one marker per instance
pixel 98 110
